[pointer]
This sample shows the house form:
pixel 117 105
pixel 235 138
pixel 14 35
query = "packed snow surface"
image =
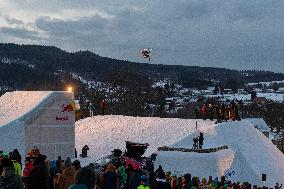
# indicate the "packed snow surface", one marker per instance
pixel 104 133
pixel 18 103
pixel 250 153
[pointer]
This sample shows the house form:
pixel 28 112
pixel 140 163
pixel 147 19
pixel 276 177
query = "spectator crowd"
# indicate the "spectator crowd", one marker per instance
pixel 40 173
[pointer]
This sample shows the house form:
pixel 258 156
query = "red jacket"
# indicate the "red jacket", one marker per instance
pixel 103 104
pixel 27 169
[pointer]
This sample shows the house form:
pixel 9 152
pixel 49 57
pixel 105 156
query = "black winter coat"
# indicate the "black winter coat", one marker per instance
pixel 39 177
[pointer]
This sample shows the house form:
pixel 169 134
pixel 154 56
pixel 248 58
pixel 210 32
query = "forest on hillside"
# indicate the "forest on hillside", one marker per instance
pixel 35 67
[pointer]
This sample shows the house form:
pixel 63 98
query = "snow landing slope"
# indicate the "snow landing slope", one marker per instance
pixel 250 153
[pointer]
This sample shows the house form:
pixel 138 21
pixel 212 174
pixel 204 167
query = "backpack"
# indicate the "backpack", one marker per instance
pixel 7 183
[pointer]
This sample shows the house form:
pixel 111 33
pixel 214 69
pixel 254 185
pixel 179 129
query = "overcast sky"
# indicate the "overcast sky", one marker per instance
pixel 235 34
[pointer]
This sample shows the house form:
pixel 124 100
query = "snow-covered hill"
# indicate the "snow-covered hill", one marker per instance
pixel 250 153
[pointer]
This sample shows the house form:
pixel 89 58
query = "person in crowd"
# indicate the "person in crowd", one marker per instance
pixel 194 183
pixel 186 181
pixel 129 172
pixel 101 177
pixel 59 166
pixel 200 140
pixel 210 111
pixel 204 111
pixel 214 184
pixel 103 106
pixel 174 181
pixel 195 143
pixel 17 166
pixel 222 111
pixel 197 112
pixel 161 182
pixel 39 175
pixel 53 169
pixel 217 112
pixel 76 164
pixel 85 178
pixel 179 183
pixel 85 151
pixel 50 178
pixel 204 184
pixel 9 179
pixel 233 110
pixel 135 179
pixel 122 177
pixel 110 178
pixel 160 173
pixel 209 180
pixel 27 169
pixel 222 181
pixel 16 156
pixel 66 179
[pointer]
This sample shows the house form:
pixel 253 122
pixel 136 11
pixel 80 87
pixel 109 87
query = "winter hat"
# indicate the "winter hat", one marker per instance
pixel 203 181
pixel 68 162
pixel 4 155
pixel 34 153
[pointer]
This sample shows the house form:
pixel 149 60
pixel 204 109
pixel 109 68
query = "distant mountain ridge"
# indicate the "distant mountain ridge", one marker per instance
pixel 38 67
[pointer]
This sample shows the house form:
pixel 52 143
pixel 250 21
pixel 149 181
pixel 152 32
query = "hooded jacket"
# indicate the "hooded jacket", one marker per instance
pixel 17 167
pixel 122 174
pixel 67 178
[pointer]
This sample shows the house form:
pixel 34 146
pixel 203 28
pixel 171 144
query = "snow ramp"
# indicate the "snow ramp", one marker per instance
pixel 249 155
pixel 36 118
pixel 252 153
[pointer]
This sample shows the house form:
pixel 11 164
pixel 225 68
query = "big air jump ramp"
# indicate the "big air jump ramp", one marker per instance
pixel 41 119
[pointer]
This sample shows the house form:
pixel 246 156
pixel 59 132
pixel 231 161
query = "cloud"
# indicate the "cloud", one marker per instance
pixel 20 33
pixel 12 21
pixel 236 34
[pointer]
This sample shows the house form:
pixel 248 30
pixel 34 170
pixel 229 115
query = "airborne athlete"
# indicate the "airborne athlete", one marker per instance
pixel 146 53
